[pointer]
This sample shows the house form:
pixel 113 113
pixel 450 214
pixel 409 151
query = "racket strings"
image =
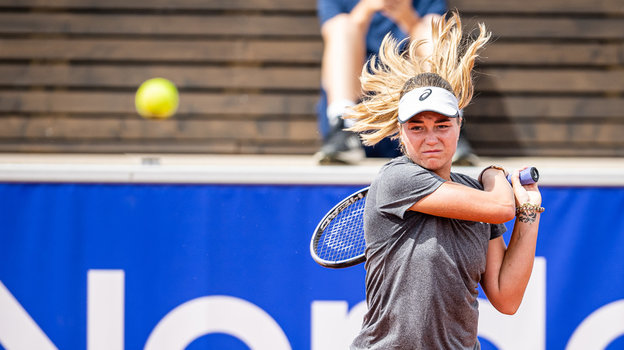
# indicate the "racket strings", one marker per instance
pixel 342 239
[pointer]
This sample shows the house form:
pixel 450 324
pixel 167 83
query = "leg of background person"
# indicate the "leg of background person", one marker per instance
pixel 343 57
pixel 423 30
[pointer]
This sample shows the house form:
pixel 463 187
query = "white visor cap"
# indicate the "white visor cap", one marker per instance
pixel 428 99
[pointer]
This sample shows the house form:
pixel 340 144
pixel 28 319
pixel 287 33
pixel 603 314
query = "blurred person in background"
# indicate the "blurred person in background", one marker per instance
pixel 352 31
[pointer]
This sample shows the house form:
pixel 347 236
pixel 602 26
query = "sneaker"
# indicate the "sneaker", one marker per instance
pixel 464 155
pixel 340 147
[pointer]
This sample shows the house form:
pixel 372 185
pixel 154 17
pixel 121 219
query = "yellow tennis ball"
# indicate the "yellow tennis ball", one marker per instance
pixel 157 98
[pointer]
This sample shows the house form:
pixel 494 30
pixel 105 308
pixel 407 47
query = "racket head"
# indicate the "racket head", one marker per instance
pixel 338 240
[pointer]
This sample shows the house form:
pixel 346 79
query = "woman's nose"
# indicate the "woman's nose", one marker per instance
pixel 431 138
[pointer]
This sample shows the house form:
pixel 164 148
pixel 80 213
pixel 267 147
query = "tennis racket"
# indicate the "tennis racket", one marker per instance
pixel 338 240
pixel 527 176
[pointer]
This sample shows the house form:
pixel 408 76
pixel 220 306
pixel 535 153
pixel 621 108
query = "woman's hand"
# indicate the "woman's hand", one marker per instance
pixel 525 193
pixel 397 10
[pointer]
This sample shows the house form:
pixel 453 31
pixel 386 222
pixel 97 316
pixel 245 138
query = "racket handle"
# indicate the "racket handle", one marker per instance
pixel 527 176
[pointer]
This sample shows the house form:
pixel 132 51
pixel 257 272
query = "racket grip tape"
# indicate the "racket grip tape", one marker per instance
pixel 527 176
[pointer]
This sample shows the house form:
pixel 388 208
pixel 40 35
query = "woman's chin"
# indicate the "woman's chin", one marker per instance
pixel 431 164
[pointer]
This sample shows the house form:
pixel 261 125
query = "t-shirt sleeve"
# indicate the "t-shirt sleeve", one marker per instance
pixel 401 186
pixel 497 230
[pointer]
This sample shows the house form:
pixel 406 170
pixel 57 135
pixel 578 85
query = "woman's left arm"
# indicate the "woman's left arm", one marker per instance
pixel 508 269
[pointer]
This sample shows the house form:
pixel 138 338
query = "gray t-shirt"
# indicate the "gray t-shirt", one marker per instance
pixel 422 271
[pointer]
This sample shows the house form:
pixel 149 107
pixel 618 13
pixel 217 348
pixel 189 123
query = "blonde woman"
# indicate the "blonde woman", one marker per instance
pixel 432 235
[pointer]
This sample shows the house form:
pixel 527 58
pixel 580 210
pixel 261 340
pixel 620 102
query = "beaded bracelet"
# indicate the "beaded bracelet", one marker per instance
pixel 527 208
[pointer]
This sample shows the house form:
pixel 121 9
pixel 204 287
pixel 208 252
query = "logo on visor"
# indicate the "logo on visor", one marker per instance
pixel 425 94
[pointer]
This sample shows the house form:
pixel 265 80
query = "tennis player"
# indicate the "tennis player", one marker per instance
pixel 432 235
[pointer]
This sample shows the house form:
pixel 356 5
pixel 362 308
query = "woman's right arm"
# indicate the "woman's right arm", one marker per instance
pixel 495 204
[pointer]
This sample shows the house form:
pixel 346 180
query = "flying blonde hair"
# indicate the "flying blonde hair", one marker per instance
pixel 387 77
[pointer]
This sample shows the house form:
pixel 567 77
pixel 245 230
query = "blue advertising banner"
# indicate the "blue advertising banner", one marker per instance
pixel 168 266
